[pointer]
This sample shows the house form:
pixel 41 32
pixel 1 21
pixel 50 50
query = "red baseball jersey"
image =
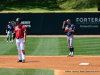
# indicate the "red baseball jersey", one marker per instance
pixel 19 31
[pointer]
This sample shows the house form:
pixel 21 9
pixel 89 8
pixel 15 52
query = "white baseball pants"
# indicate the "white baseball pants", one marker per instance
pixel 9 33
pixel 20 47
pixel 70 41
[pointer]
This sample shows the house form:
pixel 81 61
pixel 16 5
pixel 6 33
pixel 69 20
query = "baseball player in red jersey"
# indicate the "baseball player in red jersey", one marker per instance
pixel 20 34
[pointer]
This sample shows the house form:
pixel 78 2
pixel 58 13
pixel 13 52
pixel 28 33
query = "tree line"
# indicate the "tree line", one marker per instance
pixel 50 4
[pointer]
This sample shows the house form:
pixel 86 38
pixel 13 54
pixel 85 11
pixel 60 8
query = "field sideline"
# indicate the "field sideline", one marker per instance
pixel 57 35
pixel 47 55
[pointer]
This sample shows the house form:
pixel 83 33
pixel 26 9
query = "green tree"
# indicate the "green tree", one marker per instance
pixel 48 4
pixel 98 5
pixel 77 4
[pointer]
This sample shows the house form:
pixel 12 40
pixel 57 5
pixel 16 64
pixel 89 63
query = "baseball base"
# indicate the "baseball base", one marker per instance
pixel 84 64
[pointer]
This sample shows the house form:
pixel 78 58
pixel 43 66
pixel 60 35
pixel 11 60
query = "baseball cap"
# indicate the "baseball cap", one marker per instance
pixel 68 20
pixel 9 22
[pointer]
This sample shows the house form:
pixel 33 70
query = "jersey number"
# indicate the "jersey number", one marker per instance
pixel 19 32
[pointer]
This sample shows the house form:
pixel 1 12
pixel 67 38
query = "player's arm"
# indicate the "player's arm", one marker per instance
pixel 14 34
pixel 13 38
pixel 24 30
pixel 12 28
pixel 25 35
pixel 74 30
pixel 6 29
pixel 63 27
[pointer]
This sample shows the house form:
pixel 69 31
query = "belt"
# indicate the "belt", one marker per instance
pixel 18 38
pixel 69 35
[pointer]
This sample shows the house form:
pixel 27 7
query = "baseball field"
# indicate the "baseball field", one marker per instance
pixel 47 55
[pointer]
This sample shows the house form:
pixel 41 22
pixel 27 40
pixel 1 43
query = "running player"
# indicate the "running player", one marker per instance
pixel 70 36
pixel 20 34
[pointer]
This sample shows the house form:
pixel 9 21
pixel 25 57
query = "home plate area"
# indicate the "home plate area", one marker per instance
pixel 62 65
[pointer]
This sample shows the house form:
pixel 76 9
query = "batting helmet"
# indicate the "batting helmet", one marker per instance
pixel 18 19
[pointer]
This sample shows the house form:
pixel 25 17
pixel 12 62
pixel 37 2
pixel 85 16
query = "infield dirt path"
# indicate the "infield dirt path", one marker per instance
pixel 60 64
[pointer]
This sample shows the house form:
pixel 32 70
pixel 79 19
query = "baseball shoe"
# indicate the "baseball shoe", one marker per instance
pixel 72 55
pixel 23 61
pixel 68 55
pixel 19 61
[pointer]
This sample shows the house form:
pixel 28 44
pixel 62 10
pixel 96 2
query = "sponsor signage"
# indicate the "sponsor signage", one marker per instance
pixel 25 21
pixel 88 22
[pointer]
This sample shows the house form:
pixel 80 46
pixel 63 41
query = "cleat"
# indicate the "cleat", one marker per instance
pixel 23 61
pixel 19 61
pixel 68 55
pixel 72 55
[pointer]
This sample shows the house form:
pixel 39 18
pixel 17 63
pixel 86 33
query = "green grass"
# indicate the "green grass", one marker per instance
pixel 44 10
pixel 37 46
pixel 87 46
pixel 52 46
pixel 10 71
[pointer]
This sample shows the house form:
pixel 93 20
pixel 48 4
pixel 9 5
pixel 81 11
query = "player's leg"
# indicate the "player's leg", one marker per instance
pixel 22 45
pixel 7 36
pixel 23 55
pixel 10 35
pixel 71 44
pixel 19 50
pixel 68 40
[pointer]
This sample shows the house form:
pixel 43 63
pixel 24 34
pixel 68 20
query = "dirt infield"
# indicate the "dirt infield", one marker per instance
pixel 57 35
pixel 62 65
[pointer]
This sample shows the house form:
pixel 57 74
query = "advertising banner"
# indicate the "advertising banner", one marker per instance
pixel 25 21
pixel 51 23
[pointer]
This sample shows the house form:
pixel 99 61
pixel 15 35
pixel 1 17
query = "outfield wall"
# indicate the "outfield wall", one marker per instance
pixel 51 22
